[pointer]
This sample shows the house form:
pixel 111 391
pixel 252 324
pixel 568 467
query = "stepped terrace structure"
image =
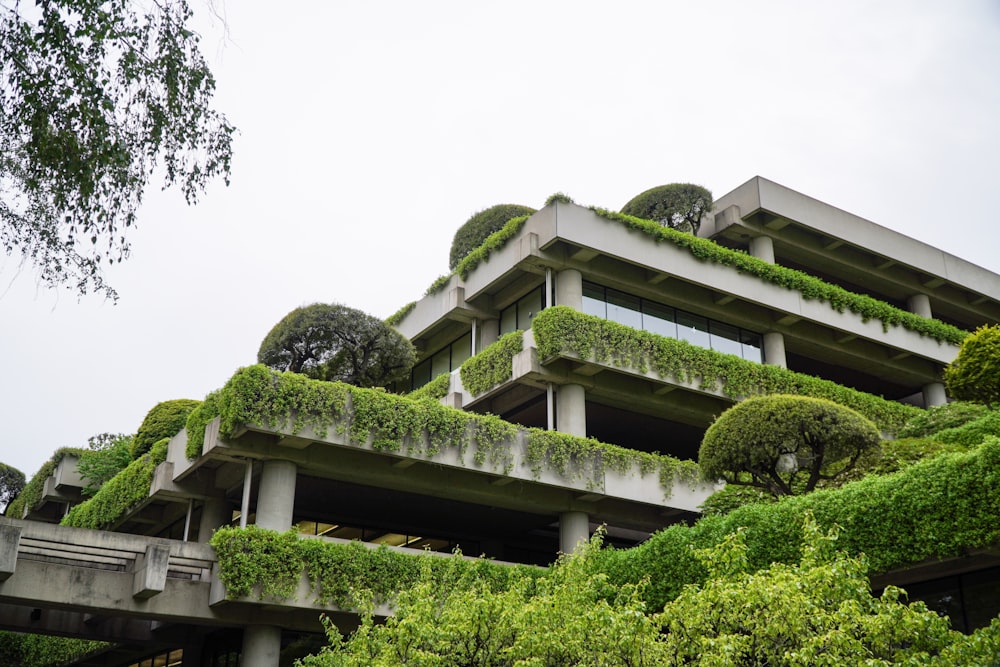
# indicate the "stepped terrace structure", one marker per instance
pixel 566 373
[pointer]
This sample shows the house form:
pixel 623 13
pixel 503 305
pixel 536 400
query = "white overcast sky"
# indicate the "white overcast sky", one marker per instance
pixel 370 131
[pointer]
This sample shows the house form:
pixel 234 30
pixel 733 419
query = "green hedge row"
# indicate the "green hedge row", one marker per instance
pixel 349 575
pixel 810 287
pixel 120 493
pixel 436 389
pixel 291 402
pixel 937 508
pixel 32 491
pixel 31 650
pixel 493 365
pixel 561 329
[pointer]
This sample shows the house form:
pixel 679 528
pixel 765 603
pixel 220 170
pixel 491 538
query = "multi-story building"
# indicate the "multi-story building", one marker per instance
pixel 780 282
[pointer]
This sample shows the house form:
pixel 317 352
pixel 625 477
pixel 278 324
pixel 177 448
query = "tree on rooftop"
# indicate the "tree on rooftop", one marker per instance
pixel 163 420
pixel 677 205
pixel 95 97
pixel 11 483
pixel 974 375
pixel 783 443
pixel 475 230
pixel 107 454
pixel 336 343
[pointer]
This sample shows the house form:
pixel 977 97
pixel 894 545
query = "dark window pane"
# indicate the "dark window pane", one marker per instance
pixel 624 309
pixel 725 338
pixel 508 319
pixel 658 319
pixel 753 345
pixel 422 373
pixel 693 329
pixel 441 362
pixel 593 300
pixel 529 306
pixel 981 595
pixel 461 350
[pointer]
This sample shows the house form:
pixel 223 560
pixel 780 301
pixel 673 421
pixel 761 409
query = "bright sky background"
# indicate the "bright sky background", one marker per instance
pixel 370 131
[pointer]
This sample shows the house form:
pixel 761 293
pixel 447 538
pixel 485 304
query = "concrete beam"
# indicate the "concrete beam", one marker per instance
pixel 150 574
pixel 10 542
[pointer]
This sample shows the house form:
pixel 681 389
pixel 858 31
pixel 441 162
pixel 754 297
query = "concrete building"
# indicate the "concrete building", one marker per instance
pixel 149 581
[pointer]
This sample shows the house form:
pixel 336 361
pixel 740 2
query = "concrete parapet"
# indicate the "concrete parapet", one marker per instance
pixel 10 541
pixel 150 574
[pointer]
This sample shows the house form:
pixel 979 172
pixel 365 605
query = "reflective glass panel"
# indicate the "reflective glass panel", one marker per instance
pixel 725 338
pixel 508 319
pixel 593 300
pixel 752 345
pixel 693 329
pixel 658 319
pixel 624 309
pixel 529 306
pixel 461 350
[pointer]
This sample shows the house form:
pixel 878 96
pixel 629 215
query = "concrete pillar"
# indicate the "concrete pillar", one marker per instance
pixel 489 332
pixel 919 304
pixel 774 349
pixel 571 410
pixel 569 289
pixel 762 247
pixel 276 495
pixel 934 394
pixel 574 527
pixel 215 513
pixel 261 646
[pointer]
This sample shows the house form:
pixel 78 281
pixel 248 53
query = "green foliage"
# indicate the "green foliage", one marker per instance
pixel 32 492
pixel 337 343
pixel 941 417
pixel 164 420
pixel 936 508
pixel 971 433
pixel 901 453
pixel 559 197
pixel 95 99
pixel 772 442
pixel 11 484
pixel 729 497
pixel 31 650
pixel 974 375
pixel 436 389
pixel 494 241
pixel 119 494
pixel 106 455
pixel 349 575
pixel 397 317
pixel 811 288
pixel 480 226
pixel 568 617
pixel 493 365
pixel 439 284
pixel 561 330
pixel 679 206
pixel 199 418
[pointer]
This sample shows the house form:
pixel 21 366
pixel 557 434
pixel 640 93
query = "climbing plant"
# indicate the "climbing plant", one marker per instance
pixel 492 366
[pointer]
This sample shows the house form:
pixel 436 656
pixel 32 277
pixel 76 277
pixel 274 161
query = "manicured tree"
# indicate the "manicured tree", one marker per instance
pixel 475 230
pixel 336 343
pixel 785 443
pixel 107 454
pixel 974 375
pixel 677 205
pixel 164 420
pixel 11 483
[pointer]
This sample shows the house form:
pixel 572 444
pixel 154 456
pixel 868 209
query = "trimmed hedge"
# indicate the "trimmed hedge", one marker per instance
pixel 494 241
pixel 971 433
pixel 30 650
pixel 164 420
pixel 119 494
pixel 937 508
pixel 493 365
pixel 561 329
pixel 397 317
pixel 940 417
pixel 435 389
pixel 480 226
pixel 348 575
pixel 32 491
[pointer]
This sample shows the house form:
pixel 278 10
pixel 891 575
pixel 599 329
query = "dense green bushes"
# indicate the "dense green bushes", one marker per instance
pixel 493 365
pixel 949 415
pixel 680 206
pixel 31 650
pixel 476 229
pixel 32 492
pixel 560 330
pixel 164 420
pixel 974 375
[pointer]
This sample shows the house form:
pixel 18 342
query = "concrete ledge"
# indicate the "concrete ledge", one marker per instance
pixel 10 541
pixel 150 575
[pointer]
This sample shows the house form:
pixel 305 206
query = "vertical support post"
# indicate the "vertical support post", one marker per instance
pixel 261 646
pixel 569 289
pixel 762 247
pixel 187 520
pixel 774 349
pixel 548 287
pixel 571 410
pixel 215 513
pixel 245 505
pixel 475 335
pixel 550 408
pixel 919 304
pixel 276 495
pixel 574 528
pixel 934 394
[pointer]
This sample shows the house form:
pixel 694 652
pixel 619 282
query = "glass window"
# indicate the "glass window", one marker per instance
pixel 422 373
pixel 693 329
pixel 508 319
pixel 725 338
pixel 529 306
pixel 593 300
pixel 624 309
pixel 752 345
pixel 441 362
pixel 461 350
pixel 658 319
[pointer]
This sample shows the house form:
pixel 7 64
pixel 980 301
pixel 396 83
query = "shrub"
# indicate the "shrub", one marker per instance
pixel 677 205
pixel 974 375
pixel 163 421
pixel 941 417
pixel 476 229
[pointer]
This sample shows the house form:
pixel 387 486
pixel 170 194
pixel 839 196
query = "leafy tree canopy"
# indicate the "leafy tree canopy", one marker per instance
pixel 339 344
pixel 95 97
pixel 107 454
pixel 783 443
pixel 11 484
pixel 475 230
pixel 974 375
pixel 677 205
pixel 164 420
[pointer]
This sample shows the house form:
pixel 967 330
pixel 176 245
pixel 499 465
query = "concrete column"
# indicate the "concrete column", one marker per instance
pixel 919 304
pixel 762 247
pixel 276 495
pixel 571 410
pixel 574 527
pixel 215 513
pixel 774 349
pixel 934 394
pixel 261 646
pixel 569 289
pixel 489 332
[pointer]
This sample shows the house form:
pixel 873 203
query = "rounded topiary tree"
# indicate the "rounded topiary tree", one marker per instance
pixel 677 205
pixel 785 443
pixel 164 420
pixel 336 343
pixel 974 375
pixel 475 230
